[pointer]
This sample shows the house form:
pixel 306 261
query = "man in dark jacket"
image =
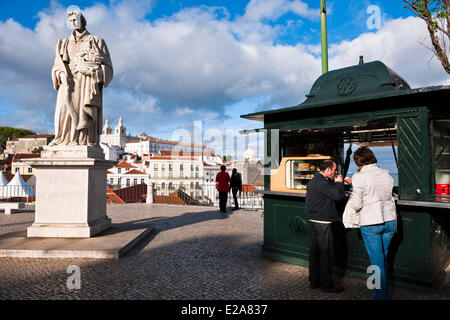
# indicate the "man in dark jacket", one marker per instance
pixel 236 185
pixel 320 209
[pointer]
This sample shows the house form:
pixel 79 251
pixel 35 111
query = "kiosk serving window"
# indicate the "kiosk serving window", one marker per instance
pixel 302 150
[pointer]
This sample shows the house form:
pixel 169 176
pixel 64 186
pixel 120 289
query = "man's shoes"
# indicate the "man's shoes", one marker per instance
pixel 235 208
pixel 333 289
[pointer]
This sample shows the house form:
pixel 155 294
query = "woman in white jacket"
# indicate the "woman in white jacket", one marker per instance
pixel 372 198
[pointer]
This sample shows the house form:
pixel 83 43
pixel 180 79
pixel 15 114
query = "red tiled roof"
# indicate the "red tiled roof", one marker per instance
pixel 258 183
pixel 8 160
pixel 109 172
pixel 9 176
pixel 134 171
pixel 125 164
pixel 19 156
pixel 248 188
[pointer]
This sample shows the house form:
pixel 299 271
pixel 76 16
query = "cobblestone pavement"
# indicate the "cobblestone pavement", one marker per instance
pixel 191 254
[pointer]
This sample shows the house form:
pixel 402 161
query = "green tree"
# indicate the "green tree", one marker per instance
pixel 436 14
pixel 38 150
pixel 7 133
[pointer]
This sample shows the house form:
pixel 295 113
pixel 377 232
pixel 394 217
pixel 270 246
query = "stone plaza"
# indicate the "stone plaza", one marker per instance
pixel 191 254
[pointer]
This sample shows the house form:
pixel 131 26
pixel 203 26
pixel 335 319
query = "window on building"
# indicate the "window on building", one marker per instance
pixel 196 168
pixel 111 181
pixel 181 167
pixel 119 181
pixel 197 185
pixel 170 185
pixel 128 182
pixel 134 181
pixel 196 174
pixel 163 167
pixel 142 180
pixel 163 185
pixel 192 167
pixel 155 167
pixel 119 170
pixel 30 170
pixel 17 170
pixel 170 167
pixel 192 185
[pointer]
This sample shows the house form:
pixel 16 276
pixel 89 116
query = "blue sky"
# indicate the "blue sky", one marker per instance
pixel 178 62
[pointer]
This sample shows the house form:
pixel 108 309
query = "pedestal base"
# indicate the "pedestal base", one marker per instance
pixel 70 193
pixel 68 230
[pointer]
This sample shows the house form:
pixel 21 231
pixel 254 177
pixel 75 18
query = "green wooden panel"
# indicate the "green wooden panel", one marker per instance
pixel 414 157
pixel 286 229
pixel 409 252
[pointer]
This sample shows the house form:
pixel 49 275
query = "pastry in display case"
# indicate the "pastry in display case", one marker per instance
pixel 294 173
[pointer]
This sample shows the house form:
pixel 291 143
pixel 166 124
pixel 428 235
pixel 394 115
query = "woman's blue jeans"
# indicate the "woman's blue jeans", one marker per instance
pixel 377 239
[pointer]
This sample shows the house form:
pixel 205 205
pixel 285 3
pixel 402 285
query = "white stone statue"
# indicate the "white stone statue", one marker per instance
pixel 81 70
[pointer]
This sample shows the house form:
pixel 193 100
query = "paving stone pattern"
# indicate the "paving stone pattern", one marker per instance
pixel 193 253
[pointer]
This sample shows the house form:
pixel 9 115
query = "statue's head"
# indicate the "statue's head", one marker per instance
pixel 76 19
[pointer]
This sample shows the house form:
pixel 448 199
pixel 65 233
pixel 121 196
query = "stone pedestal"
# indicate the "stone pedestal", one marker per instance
pixel 70 192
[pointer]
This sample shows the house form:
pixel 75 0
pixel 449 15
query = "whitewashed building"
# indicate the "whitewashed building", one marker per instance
pixel 125 175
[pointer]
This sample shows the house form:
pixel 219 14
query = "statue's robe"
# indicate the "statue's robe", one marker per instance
pixel 78 114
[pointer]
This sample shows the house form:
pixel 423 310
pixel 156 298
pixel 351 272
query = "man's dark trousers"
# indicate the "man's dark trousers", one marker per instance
pixel 235 191
pixel 320 254
pixel 223 197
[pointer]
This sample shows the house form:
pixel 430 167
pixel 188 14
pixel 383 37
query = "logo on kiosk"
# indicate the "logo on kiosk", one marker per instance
pixel 298 227
pixel 346 86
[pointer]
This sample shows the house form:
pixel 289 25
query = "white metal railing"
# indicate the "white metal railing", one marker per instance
pixel 207 194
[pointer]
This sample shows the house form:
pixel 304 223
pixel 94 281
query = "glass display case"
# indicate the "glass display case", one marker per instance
pixel 294 173
pixel 441 156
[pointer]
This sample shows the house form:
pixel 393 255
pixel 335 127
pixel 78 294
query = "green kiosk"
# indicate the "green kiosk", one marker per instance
pixel 366 104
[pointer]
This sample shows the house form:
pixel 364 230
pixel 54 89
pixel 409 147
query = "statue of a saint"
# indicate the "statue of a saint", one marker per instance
pixel 81 70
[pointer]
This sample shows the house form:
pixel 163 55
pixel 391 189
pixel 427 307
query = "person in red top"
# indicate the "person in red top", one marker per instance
pixel 223 186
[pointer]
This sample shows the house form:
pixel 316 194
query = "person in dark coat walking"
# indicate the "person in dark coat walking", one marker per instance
pixel 320 209
pixel 236 186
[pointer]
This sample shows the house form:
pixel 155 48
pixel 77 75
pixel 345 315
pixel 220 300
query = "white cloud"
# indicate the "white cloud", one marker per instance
pixel 257 10
pixel 184 111
pixel 398 44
